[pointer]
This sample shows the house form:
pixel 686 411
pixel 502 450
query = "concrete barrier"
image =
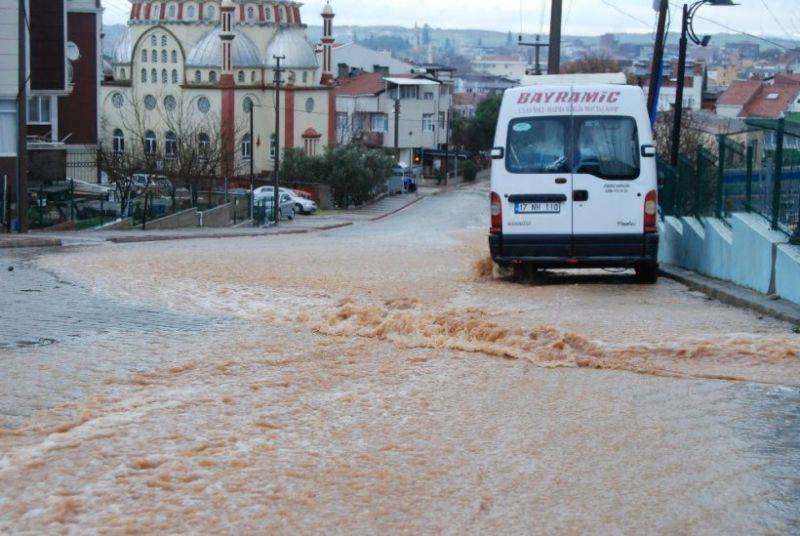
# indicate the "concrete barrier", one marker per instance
pixel 125 224
pixel 743 250
pixel 221 216
pixel 787 272
pixel 179 220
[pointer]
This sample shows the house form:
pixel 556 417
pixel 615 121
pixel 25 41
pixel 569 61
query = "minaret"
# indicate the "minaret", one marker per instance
pixel 227 87
pixel 327 45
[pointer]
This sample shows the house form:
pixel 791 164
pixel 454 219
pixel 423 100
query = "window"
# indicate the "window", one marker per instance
pixel 212 76
pixel 442 120
pixel 119 142
pixel 122 74
pixel 379 122
pixel 251 13
pixel 247 147
pixel 172 11
pixel 144 75
pixel 156 11
pixel 427 123
pixel 429 95
pixel 163 56
pixel 204 143
pixel 305 77
pixel 309 105
pixel 198 77
pixel 170 145
pixel 170 103
pixel 604 146
pixel 190 12
pixel 240 77
pixel 253 77
pixel 153 40
pixel 163 76
pixel 342 121
pixel 311 147
pixel 210 12
pixel 150 143
pixel 174 56
pixel 154 56
pixel 174 76
pixel 164 42
pixel 203 105
pixel 247 104
pixel 117 100
pixel 150 102
pixel 409 92
pixel 268 14
pixel 8 127
pixel 39 110
pixel 144 55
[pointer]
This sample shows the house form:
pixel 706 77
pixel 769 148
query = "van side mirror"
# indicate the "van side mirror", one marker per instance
pixel 648 151
pixel 498 153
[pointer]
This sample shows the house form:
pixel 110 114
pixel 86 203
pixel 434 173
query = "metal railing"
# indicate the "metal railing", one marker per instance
pixel 759 176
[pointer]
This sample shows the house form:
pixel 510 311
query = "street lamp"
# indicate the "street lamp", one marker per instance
pixel 687 32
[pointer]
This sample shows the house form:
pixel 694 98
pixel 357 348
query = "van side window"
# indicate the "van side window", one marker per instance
pixel 538 145
pixel 607 147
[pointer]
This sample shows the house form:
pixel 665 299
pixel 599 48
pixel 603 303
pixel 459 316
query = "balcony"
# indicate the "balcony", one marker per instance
pixel 370 139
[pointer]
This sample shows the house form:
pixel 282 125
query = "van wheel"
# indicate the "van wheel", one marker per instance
pixel 647 273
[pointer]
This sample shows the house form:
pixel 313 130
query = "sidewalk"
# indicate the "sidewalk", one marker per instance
pixel 377 210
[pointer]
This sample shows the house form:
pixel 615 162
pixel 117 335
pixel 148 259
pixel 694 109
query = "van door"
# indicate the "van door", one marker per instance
pixel 607 192
pixel 535 182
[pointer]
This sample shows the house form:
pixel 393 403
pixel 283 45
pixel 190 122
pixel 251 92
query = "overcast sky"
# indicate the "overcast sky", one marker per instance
pixel 583 17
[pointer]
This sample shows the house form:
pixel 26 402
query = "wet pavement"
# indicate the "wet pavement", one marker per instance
pixel 379 378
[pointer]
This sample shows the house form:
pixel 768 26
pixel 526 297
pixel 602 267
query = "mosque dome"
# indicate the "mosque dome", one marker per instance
pixel 208 51
pixel 291 43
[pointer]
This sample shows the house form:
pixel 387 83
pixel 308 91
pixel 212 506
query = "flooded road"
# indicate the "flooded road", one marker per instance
pixel 376 379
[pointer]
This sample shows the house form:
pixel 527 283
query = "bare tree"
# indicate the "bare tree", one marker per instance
pixel 692 135
pixel 592 63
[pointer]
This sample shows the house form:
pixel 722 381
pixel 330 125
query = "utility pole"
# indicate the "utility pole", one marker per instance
pixel 538 45
pixel 554 58
pixel 252 168
pixel 678 111
pixel 447 150
pixel 22 122
pixel 397 127
pixel 658 60
pixel 277 198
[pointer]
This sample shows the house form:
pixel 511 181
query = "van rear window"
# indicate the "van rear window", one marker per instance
pixel 603 146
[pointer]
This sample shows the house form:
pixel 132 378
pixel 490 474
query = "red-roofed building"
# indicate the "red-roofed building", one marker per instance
pixel 757 98
pixel 465 104
pixel 365 112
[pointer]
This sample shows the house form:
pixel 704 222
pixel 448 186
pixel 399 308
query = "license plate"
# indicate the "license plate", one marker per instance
pixel 538 208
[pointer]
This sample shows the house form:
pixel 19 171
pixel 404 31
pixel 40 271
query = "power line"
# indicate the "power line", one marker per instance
pixel 623 12
pixel 778 22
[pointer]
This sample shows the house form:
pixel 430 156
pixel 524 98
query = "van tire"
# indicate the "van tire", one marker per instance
pixel 647 274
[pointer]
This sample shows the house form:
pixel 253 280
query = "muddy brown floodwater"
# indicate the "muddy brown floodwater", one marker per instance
pixel 382 379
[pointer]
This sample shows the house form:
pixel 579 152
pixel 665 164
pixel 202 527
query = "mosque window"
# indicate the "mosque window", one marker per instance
pixel 212 76
pixel 153 40
pixel 247 104
pixel 211 12
pixel 163 40
pixel 170 103
pixel 144 75
pixel 174 76
pixel 150 102
pixel 172 11
pixel 154 56
pixel 163 76
pixel 163 56
pixel 154 76
pixel 156 11
pixel 268 14
pixel 144 55
pixel 305 77
pixel 203 105
pixel 198 77
pixel 240 77
pixel 174 56
pixel 253 77
pixel 247 147
pixel 251 13
pixel 150 143
pixel 122 74
pixel 190 12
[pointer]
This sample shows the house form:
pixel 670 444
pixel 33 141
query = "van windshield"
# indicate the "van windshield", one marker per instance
pixel 604 146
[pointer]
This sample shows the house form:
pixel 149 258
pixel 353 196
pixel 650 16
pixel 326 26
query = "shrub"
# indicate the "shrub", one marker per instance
pixel 470 171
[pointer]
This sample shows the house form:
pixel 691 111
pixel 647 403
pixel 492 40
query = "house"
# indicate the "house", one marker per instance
pixel 366 113
pixel 695 83
pixel 353 57
pixel 482 83
pixel 465 104
pixel 61 96
pixel 757 98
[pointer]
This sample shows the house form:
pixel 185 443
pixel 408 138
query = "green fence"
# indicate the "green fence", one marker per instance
pixel 761 176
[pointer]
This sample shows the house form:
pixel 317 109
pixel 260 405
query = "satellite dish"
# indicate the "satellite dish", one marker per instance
pixel 73 52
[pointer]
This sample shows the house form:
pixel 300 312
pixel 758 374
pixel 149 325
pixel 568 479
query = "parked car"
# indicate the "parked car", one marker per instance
pixel 158 184
pixel 302 205
pixel 267 197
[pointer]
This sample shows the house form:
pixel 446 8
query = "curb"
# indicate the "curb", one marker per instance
pixel 392 213
pixel 139 239
pixel 29 242
pixel 735 295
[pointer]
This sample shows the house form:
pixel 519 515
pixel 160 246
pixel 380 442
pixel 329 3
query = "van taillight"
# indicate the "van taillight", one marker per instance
pixel 497 215
pixel 650 212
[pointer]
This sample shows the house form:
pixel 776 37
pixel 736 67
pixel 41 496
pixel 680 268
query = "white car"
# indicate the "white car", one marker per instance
pixel 574 179
pixel 302 205
pixel 265 199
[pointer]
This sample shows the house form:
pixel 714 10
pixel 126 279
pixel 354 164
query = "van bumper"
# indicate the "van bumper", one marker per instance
pixel 579 251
